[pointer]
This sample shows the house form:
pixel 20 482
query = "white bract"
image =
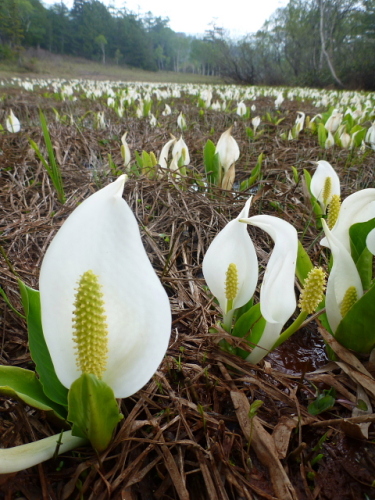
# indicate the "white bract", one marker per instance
pixel 324 184
pixel 181 122
pixel 12 123
pixel 357 207
pixel 277 297
pixel 227 149
pixel 333 122
pixel 180 150
pixel 343 276
pixel 164 153
pixel 255 123
pixel 232 245
pixel 125 150
pixel 167 110
pixel 102 236
pixel 241 109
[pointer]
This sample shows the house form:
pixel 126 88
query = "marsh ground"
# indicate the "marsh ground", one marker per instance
pixel 187 434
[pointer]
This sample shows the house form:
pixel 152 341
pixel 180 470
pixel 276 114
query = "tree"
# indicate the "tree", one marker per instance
pixel 102 42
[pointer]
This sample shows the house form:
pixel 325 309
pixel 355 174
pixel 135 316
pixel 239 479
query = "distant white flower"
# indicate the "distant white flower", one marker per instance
pixel 125 151
pixel 241 109
pixel 167 110
pixel 279 100
pixel 12 123
pixel 324 184
pixel 333 122
pixel 181 122
pixel 152 119
pixel 227 149
pixel 255 123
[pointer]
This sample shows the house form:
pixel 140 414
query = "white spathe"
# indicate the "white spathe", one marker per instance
pixel 318 180
pixel 357 207
pixel 12 123
pixel 232 245
pixel 125 150
pixel 227 149
pixel 102 235
pixel 343 275
pixel 180 149
pixel 277 296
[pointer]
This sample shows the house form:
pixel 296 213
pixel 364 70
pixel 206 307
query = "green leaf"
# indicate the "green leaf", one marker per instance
pixel 356 330
pixel 323 402
pixel 254 175
pixel 307 176
pixel 249 326
pixel 93 410
pixel 249 132
pixel 360 253
pixel 7 301
pixel 349 122
pixel 146 160
pixel 322 135
pixel 315 205
pixel 211 163
pixel 304 264
pixel 23 384
pixel 52 386
pixel 139 160
pixel 295 174
pixel 54 170
pixel 242 310
pixel 358 136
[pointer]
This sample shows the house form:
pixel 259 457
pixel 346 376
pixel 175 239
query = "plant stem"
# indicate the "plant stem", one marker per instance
pixel 291 329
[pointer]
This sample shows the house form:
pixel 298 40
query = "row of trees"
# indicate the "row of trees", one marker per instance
pixel 92 30
pixel 306 43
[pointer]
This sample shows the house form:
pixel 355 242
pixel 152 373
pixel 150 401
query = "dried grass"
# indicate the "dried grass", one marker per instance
pixel 187 434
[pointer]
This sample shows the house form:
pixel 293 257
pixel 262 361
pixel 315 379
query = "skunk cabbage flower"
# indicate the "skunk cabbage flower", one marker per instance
pixel 357 207
pixel 333 122
pixel 12 123
pixel 255 123
pixel 277 297
pixel 230 266
pixel 167 110
pixel 96 278
pixel 227 149
pixel 324 184
pixel 125 151
pixel 152 119
pixel 279 100
pixel 179 150
pixel 344 286
pixel 330 141
pixel 345 140
pixel 241 109
pixel 181 122
pixel 164 153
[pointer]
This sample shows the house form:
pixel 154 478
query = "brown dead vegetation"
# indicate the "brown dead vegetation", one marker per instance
pixel 187 434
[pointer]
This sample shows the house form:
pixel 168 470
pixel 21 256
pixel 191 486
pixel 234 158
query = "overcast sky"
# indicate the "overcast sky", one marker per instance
pixel 193 16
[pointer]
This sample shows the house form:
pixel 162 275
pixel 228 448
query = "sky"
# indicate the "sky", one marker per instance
pixel 193 17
